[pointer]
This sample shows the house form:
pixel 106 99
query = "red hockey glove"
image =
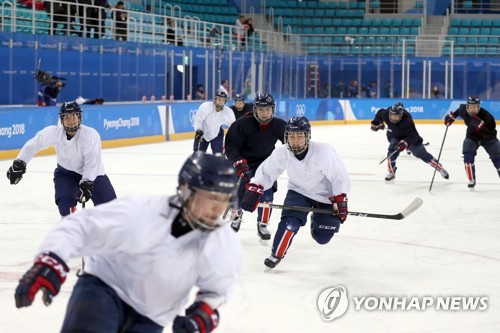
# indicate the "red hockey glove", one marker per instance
pixel 449 119
pixel 402 145
pixel 48 274
pixel 375 127
pixel 251 197
pixel 339 203
pixel 242 169
pixel 200 318
pixel 476 122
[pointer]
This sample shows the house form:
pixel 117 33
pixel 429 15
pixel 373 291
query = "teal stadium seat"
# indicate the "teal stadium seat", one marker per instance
pixel 481 50
pixel 465 22
pixel 492 50
pixel 482 40
pixel 485 31
pixel 474 31
pixel 486 22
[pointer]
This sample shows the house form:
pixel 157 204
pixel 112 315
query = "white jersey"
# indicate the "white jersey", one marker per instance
pixel 318 176
pixel 210 121
pixel 81 154
pixel 127 243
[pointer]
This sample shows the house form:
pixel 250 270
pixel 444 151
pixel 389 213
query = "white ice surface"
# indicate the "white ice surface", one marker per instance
pixel 449 247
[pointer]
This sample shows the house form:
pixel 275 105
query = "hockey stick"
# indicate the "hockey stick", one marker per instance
pixel 413 206
pixel 439 156
pixel 388 156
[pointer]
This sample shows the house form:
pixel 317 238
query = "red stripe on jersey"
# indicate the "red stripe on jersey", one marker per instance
pixel 72 210
pixel 284 243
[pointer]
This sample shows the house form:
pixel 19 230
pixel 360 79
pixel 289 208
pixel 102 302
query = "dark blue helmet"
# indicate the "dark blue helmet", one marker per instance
pixel 220 94
pixel 473 105
pixel 263 100
pixel 396 112
pixel 210 173
pixel 239 97
pixel 473 100
pixel 299 125
pixel 68 108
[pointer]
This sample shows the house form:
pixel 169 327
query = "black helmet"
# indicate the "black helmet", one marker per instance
pixel 298 125
pixel 396 112
pixel 70 108
pixel 473 105
pixel 239 97
pixel 211 173
pixel 263 100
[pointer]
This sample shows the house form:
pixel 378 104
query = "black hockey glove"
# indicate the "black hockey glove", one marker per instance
pixel 16 171
pixel 375 127
pixel 86 188
pixel 449 119
pixel 242 169
pixel 200 318
pixel 402 145
pixel 48 274
pixel 199 135
pixel 251 197
pixel 339 203
pixel 476 122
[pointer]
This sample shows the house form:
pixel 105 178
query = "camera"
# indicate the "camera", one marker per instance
pixel 47 78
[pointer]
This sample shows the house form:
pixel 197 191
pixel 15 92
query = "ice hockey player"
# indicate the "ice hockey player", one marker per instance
pixel 249 141
pixel 317 178
pixel 79 175
pixel 403 134
pixel 209 122
pixel 144 255
pixel 240 108
pixel 481 131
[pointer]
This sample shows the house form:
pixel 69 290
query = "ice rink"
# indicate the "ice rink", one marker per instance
pixel 448 247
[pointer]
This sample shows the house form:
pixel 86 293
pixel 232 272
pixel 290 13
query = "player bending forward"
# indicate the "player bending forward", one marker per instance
pixel 79 175
pixel 208 123
pixel 402 134
pixel 317 178
pixel 143 256
pixel 481 131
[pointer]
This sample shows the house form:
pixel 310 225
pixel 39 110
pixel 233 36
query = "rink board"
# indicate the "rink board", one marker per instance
pixel 129 124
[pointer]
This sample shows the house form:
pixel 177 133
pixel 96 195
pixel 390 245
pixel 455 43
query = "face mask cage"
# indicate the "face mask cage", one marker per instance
pixel 188 199
pixel 256 115
pixel 298 135
pixel 71 128
pixel 472 109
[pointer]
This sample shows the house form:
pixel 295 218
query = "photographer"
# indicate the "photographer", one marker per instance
pixel 47 93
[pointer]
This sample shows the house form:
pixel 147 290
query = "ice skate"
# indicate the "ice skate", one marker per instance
pixel 391 175
pixel 444 173
pixel 263 233
pixel 471 184
pixel 272 261
pixel 236 219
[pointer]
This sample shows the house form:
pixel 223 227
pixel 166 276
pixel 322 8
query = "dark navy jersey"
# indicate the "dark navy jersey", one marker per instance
pixel 486 133
pixel 247 110
pixel 247 138
pixel 403 130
